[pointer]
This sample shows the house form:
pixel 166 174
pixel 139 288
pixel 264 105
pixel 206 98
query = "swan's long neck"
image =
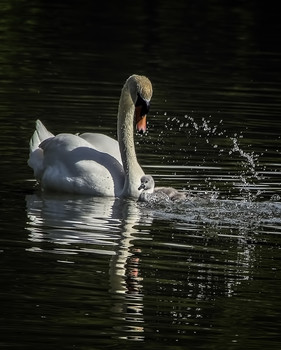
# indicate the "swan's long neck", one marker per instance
pixel 133 171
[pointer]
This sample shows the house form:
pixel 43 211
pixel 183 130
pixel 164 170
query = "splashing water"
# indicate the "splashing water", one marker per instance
pixel 193 146
pixel 249 173
pixel 201 142
pixel 228 218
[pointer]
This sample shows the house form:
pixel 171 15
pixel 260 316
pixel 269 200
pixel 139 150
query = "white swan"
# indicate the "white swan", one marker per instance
pixel 91 163
pixel 150 191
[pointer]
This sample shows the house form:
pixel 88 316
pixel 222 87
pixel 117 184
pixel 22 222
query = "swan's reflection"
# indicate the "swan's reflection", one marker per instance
pixel 102 226
pixel 101 222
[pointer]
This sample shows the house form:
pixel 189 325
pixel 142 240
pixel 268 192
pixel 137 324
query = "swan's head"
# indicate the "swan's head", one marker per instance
pixel 147 183
pixel 141 92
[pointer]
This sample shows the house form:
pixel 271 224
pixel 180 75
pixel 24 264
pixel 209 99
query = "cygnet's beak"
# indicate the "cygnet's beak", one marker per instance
pixel 142 187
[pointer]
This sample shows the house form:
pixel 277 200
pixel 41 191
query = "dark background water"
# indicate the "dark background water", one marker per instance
pixel 90 273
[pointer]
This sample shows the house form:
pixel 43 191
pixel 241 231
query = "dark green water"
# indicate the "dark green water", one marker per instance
pixel 94 273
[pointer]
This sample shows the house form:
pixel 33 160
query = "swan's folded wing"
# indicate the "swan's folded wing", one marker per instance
pixel 103 143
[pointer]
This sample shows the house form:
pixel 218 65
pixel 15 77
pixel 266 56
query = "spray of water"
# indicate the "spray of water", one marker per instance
pixel 219 147
pixel 240 206
pixel 249 174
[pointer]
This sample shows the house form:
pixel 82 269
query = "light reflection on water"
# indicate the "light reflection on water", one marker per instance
pixel 153 253
pixel 98 226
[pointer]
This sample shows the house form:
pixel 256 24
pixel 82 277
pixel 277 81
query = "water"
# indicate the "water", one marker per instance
pixel 94 273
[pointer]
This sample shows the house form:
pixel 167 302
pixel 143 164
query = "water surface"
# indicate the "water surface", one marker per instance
pixel 95 273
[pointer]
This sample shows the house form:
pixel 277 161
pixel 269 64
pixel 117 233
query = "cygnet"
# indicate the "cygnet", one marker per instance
pixel 148 187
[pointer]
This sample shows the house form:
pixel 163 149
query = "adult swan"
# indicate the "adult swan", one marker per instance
pixel 91 163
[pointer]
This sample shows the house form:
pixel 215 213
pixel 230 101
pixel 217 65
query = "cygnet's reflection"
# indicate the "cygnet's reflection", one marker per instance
pixel 98 221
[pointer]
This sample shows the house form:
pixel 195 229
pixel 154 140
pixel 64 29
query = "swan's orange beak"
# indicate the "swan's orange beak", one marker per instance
pixel 140 120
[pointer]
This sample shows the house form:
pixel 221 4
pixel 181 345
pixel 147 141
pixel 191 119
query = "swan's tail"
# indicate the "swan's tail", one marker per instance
pixel 36 155
pixel 40 134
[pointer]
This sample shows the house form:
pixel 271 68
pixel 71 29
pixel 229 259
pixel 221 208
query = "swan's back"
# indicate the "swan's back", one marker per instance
pixel 103 143
pixel 69 163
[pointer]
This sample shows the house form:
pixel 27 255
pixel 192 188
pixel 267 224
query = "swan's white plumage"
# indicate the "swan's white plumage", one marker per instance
pixel 40 134
pixel 91 163
pixel 103 143
pixel 36 155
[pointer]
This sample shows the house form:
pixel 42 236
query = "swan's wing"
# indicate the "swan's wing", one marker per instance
pixel 71 164
pixel 103 143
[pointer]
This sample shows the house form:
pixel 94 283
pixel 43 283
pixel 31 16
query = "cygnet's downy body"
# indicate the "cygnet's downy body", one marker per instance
pixel 150 192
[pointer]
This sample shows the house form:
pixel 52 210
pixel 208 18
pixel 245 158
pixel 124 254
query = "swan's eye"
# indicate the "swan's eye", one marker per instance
pixel 144 104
